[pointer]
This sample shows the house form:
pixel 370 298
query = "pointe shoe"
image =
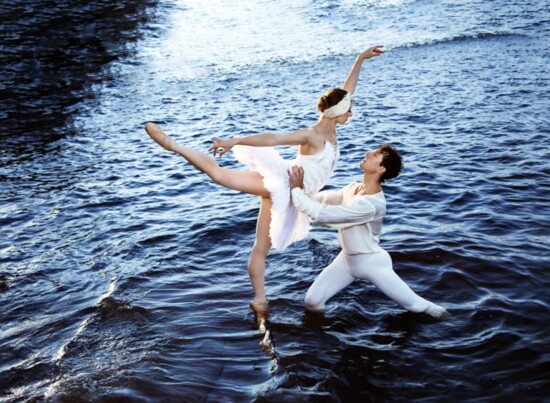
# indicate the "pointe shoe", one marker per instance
pixel 159 136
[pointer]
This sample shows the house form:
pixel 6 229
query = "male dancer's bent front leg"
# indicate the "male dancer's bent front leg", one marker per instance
pixel 375 268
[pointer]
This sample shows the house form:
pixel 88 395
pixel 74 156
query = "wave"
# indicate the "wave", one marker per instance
pixel 112 308
pixel 289 56
pixel 4 283
pixel 460 37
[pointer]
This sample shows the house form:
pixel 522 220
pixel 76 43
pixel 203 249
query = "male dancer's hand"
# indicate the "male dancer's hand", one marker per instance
pixel 296 176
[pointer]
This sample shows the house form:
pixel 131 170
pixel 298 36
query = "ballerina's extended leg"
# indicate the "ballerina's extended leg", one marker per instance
pixel 243 181
pixel 160 137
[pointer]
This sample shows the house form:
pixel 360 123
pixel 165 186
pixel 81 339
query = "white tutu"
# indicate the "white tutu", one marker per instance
pixel 288 225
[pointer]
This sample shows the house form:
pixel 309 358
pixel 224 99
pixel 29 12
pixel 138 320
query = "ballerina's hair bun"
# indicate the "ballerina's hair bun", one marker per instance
pixel 331 98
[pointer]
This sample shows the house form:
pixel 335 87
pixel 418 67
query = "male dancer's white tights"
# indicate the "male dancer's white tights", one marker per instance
pixel 374 267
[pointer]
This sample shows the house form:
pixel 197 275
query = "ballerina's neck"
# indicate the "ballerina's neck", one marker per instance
pixel 319 151
pixel 327 133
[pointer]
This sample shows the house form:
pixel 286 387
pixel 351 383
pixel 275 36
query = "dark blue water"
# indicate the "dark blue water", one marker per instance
pixel 123 271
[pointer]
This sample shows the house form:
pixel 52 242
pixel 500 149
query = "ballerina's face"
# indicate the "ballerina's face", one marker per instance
pixel 342 119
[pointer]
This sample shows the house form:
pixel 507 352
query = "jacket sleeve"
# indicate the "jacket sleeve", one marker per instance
pixel 361 211
pixel 329 196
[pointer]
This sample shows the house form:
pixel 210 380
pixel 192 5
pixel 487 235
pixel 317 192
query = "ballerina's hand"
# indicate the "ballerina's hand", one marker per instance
pixel 373 51
pixel 225 145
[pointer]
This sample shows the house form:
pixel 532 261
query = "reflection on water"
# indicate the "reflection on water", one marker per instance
pixel 52 53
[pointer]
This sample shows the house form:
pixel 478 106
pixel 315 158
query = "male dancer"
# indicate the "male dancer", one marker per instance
pixel 357 210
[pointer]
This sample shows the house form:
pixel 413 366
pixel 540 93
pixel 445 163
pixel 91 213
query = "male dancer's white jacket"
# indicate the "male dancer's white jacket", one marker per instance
pixel 357 217
pixel 359 221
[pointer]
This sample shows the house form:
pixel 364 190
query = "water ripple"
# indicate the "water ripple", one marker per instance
pixel 124 271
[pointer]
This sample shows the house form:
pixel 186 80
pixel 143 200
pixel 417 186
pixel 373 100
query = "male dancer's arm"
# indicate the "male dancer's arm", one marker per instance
pixel 341 215
pixel 329 196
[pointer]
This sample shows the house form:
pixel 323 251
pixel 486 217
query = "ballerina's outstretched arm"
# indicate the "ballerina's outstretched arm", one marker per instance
pixel 250 182
pixel 297 138
pixel 353 76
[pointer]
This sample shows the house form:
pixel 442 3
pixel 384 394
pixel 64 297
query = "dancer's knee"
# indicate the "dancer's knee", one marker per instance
pixel 215 173
pixel 313 302
pixel 262 243
pixel 260 250
pixel 258 255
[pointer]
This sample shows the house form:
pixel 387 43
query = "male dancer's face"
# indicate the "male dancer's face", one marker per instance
pixel 372 161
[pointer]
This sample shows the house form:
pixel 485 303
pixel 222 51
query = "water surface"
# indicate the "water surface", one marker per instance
pixel 123 271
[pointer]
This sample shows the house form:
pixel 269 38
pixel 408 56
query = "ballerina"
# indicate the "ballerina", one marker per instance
pixel 279 224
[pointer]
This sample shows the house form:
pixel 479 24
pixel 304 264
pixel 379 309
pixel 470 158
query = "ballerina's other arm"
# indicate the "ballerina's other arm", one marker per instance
pixel 299 137
pixel 353 76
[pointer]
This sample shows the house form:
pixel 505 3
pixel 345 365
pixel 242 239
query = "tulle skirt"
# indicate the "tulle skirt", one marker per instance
pixel 288 225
